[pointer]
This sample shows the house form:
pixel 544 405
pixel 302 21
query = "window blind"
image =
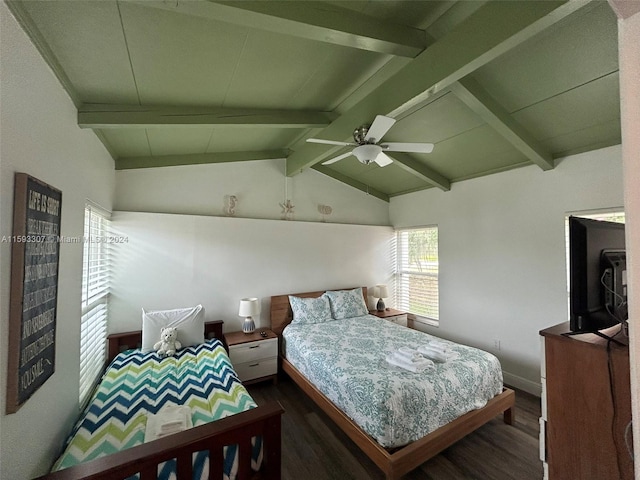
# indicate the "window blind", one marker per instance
pixel 95 296
pixel 417 272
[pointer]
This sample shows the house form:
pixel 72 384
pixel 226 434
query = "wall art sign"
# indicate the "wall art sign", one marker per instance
pixel 35 252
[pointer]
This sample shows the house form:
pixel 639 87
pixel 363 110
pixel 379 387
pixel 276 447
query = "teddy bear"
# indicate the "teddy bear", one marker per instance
pixel 168 343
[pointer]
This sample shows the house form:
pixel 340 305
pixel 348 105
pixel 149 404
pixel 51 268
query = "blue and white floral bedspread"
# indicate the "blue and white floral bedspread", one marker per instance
pixel 345 360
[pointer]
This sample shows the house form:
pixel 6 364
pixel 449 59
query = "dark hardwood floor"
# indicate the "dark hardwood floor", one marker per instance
pixel 314 448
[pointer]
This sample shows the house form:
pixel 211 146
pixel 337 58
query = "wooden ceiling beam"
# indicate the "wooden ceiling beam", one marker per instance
pixel 317 21
pixel 492 30
pixel 420 170
pixel 351 182
pixel 135 116
pixel 485 106
pixel 125 163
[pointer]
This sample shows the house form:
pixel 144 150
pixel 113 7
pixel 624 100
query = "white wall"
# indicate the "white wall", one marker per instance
pixel 258 185
pixel 629 60
pixel 40 137
pixel 502 252
pixel 172 261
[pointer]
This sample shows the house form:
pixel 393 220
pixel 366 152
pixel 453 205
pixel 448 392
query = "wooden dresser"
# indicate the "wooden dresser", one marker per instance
pixel 586 406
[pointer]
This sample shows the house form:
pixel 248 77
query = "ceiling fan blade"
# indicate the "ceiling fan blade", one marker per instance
pixel 328 142
pixel 335 159
pixel 408 147
pixel 383 159
pixel 379 127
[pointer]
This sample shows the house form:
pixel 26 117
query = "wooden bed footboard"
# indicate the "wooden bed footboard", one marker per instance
pixel 233 430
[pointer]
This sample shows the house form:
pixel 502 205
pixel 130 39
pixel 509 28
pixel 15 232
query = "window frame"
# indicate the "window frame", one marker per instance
pixel 401 270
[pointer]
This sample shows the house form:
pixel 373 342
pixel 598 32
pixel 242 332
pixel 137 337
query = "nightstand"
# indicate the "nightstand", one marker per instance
pixel 254 358
pixel 391 315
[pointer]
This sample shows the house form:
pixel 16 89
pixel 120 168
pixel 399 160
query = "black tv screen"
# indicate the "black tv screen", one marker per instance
pixel 597 274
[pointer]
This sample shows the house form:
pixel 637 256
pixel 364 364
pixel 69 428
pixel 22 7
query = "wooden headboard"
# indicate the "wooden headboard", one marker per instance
pixel 119 342
pixel 281 314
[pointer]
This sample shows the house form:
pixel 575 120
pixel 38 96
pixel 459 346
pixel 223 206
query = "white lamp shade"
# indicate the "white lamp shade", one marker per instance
pixel 249 307
pixel 381 291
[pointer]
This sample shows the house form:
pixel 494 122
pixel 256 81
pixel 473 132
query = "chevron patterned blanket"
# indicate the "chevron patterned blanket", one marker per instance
pixel 138 384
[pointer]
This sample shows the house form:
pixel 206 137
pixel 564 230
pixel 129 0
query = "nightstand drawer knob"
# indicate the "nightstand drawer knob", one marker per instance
pixel 254 364
pixel 255 346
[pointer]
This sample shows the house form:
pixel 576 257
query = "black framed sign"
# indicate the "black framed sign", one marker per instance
pixel 35 252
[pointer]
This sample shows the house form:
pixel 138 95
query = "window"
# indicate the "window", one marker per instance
pixel 417 273
pixel 95 295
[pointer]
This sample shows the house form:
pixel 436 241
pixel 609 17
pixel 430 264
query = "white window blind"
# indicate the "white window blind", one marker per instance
pixel 95 296
pixel 417 273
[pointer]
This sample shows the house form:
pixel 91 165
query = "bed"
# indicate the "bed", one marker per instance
pixel 242 438
pixel 347 390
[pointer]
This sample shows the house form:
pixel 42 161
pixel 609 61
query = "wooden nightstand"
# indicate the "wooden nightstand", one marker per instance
pixel 391 315
pixel 254 358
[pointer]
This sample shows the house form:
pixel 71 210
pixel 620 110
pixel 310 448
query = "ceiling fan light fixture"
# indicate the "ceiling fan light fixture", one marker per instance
pixel 367 153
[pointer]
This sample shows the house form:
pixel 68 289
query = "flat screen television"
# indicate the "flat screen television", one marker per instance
pixel 597 275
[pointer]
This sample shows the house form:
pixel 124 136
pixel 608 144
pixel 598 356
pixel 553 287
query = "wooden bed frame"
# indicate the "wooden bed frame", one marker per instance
pixel 394 463
pixel 236 429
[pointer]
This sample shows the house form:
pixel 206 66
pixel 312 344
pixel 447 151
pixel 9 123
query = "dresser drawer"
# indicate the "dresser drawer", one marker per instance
pixel 256 369
pixel 248 352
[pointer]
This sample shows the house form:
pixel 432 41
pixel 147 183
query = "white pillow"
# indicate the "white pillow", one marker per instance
pixel 188 321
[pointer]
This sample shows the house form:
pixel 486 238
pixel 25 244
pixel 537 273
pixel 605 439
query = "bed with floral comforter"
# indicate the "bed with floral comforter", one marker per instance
pixel 345 360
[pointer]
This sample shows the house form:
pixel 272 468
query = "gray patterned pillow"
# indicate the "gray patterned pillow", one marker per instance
pixel 347 303
pixel 310 310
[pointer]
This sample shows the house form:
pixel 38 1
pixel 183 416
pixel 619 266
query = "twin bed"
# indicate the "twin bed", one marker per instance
pixel 231 438
pixel 333 350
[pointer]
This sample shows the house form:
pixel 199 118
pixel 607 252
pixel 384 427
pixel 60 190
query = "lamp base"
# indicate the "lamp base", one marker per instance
pixel 380 306
pixel 249 325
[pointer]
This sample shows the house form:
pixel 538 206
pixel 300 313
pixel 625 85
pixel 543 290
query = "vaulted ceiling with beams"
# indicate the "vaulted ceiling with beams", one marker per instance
pixel 495 85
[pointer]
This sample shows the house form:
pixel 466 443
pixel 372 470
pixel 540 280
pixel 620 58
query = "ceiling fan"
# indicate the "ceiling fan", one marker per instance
pixel 367 149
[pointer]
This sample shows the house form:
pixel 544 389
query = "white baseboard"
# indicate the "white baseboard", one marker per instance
pixel 534 388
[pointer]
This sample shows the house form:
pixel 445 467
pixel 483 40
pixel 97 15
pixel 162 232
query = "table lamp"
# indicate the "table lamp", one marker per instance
pixel 248 308
pixel 380 291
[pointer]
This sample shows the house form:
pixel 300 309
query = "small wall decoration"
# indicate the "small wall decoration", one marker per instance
pixel 230 202
pixel 287 210
pixel 35 252
pixel 325 211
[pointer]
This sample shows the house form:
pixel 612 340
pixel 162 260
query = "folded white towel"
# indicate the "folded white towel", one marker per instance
pixel 169 420
pixel 433 354
pixel 409 354
pixel 399 361
pixel 439 346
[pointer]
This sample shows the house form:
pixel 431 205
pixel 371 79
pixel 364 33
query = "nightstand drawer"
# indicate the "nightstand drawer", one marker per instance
pixel 256 369
pixel 399 319
pixel 247 352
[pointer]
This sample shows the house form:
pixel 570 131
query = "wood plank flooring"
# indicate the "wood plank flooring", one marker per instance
pixel 314 448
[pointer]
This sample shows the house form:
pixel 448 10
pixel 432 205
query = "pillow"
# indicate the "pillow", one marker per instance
pixel 310 310
pixel 188 321
pixel 347 303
